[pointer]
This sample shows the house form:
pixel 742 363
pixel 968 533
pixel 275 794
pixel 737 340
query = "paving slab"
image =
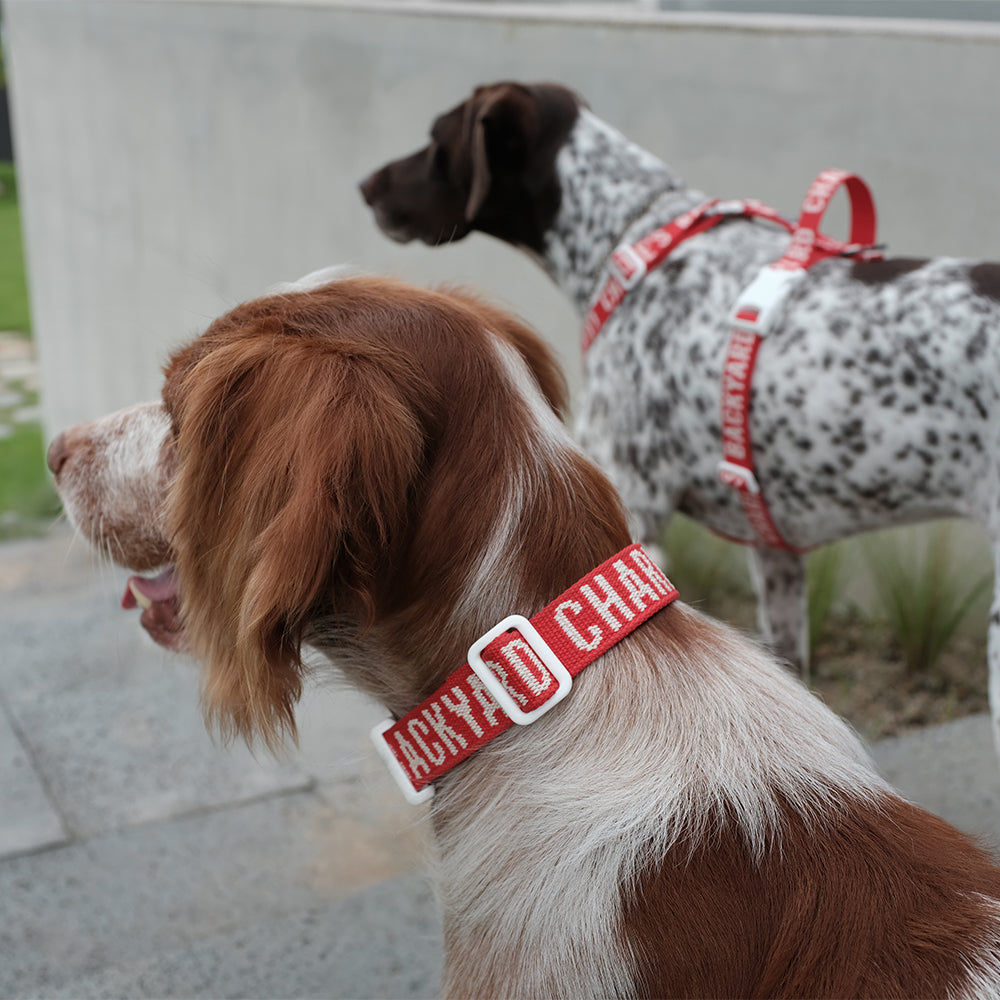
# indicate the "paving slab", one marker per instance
pixel 140 899
pixel 382 942
pixel 112 723
pixel 184 868
pixel 952 771
pixel 29 820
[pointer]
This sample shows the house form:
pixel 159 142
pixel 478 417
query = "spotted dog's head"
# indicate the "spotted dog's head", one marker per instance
pixel 490 166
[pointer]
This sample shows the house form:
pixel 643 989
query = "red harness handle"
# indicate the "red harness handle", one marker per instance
pixel 808 245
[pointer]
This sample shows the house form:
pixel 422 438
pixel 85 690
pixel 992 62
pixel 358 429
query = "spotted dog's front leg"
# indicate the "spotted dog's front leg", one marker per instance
pixel 779 579
pixel 649 530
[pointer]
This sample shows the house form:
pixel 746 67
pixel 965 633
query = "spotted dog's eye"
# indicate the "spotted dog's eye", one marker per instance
pixel 439 161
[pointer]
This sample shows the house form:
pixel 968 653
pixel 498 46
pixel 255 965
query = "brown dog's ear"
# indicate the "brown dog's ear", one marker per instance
pixel 296 460
pixel 537 354
pixel 505 124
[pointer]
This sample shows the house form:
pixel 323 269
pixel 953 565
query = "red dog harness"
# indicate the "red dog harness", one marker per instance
pixel 520 669
pixel 754 311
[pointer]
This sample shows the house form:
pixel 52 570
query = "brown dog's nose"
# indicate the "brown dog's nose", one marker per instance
pixel 57 454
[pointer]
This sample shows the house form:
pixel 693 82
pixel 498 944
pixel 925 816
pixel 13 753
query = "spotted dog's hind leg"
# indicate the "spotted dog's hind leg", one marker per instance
pixel 779 578
pixel 993 645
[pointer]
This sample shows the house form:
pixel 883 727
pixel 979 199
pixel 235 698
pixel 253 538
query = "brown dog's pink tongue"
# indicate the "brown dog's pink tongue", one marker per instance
pixel 144 591
pixel 158 598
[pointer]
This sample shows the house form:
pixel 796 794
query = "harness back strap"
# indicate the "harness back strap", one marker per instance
pixel 520 669
pixel 754 310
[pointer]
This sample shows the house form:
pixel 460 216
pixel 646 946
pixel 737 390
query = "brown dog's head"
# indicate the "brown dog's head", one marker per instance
pixel 490 166
pixel 325 465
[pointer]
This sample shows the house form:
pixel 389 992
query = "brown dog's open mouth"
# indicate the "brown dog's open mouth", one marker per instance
pixel 159 598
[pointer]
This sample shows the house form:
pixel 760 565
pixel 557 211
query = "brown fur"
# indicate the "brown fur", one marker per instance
pixel 488 167
pixel 321 504
pixel 879 903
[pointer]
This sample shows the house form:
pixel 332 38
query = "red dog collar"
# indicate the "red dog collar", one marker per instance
pixel 520 669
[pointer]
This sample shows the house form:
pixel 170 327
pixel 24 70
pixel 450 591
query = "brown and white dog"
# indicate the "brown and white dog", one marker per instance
pixel 380 472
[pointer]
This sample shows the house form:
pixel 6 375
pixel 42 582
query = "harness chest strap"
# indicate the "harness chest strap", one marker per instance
pixel 520 669
pixel 752 318
pixel 754 310
pixel 629 263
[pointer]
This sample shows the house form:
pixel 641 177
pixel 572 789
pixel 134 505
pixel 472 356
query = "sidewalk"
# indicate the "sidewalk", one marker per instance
pixel 137 859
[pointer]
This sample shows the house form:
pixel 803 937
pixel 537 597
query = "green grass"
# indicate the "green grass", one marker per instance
pixel 27 499
pixel 702 566
pixel 14 311
pixel 824 578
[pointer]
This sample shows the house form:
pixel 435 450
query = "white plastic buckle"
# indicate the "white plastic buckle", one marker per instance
pixel 412 795
pixel 731 474
pixel 735 206
pixel 540 648
pixel 633 270
pixel 758 302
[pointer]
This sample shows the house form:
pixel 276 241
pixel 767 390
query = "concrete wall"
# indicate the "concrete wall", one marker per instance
pixel 177 157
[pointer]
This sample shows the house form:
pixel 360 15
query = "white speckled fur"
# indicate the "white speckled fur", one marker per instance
pixel 117 502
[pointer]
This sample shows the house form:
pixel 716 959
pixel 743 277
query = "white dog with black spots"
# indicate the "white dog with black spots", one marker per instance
pixel 875 397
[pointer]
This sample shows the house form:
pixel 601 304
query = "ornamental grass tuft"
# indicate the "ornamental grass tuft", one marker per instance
pixel 923 590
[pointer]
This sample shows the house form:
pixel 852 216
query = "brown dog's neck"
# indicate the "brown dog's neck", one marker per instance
pixel 511 549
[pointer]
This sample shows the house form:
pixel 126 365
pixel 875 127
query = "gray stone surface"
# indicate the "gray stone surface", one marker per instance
pixel 950 770
pixel 112 721
pixel 28 820
pixel 207 207
pixel 201 907
pixel 382 942
pixel 184 868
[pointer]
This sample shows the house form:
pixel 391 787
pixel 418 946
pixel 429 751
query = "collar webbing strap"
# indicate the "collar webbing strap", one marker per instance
pixel 520 669
pixel 752 317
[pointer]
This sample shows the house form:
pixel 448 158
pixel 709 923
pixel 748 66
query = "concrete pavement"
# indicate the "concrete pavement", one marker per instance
pixel 137 859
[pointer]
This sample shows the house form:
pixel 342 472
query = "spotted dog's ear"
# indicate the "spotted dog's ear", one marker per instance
pixel 514 133
pixel 295 463
pixel 505 123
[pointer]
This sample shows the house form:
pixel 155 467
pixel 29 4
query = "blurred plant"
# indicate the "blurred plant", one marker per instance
pixel 701 565
pixel 923 591
pixel 823 583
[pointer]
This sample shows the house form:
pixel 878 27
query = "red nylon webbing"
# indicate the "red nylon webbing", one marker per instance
pixel 578 626
pixel 751 316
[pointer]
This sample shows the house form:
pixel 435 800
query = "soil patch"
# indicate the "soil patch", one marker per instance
pixel 858 671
